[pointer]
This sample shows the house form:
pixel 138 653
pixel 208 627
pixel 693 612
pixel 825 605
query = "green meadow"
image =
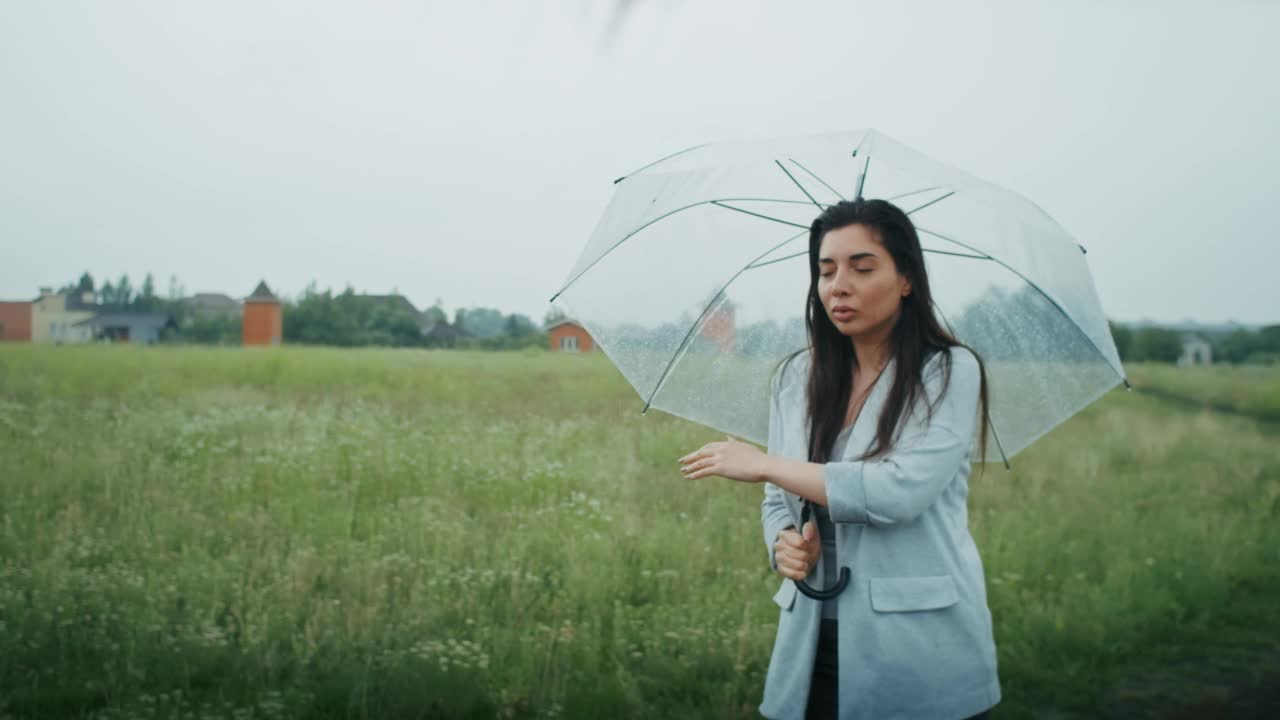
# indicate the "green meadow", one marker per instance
pixel 319 533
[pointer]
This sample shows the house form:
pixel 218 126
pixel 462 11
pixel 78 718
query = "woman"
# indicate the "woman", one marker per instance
pixel 910 636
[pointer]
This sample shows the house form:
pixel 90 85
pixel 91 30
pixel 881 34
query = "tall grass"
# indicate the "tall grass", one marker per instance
pixel 371 533
pixel 1247 389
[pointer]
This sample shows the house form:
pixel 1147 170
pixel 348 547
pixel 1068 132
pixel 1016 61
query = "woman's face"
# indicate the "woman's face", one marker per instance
pixel 858 282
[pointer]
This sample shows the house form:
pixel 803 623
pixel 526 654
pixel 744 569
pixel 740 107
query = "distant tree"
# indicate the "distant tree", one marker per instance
pixel 108 294
pixel 86 282
pixel 124 291
pixel 146 299
pixel 176 291
pixel 517 326
pixel 1269 338
pixel 553 315
pixel 348 319
pixel 1154 344
pixel 435 314
pixel 1237 347
pixel 481 322
pixel 1123 338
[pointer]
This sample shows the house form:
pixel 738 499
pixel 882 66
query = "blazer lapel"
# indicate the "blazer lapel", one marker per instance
pixel 860 437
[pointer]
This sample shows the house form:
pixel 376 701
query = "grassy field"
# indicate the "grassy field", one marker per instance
pixel 200 533
pixel 1248 390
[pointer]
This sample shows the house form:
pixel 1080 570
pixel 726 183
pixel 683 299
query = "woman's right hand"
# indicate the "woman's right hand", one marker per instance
pixel 796 553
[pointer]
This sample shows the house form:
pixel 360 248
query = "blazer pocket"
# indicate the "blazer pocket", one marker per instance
pixel 786 595
pixel 908 594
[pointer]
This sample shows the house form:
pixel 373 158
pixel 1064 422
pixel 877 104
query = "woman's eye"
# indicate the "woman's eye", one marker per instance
pixel 864 270
pixel 826 274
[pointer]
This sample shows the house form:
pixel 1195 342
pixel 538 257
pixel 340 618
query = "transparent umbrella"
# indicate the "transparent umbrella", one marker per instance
pixel 695 278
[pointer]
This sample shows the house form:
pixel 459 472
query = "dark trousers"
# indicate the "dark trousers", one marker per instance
pixel 823 688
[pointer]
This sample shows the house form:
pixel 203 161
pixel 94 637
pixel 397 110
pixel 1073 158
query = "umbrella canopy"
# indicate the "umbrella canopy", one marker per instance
pixel 695 279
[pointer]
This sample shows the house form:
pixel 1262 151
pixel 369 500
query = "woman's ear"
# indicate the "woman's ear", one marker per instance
pixel 906 287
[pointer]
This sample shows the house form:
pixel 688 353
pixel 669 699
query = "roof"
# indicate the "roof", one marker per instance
pixel 71 300
pixel 211 301
pixel 400 300
pixel 118 319
pixel 75 301
pixel 262 293
pixel 443 329
pixel 565 321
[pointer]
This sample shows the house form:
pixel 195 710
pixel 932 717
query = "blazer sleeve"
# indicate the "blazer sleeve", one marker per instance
pixel 774 514
pixel 899 486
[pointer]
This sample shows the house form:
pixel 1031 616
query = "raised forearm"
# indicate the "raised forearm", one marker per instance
pixel 797 476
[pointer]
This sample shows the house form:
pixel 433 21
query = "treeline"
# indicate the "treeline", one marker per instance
pixel 322 317
pixel 121 294
pixel 348 319
pixel 1156 344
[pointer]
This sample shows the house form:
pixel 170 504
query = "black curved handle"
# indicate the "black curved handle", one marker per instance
pixel 841 582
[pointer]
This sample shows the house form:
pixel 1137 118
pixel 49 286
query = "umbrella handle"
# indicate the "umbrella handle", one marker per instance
pixel 834 590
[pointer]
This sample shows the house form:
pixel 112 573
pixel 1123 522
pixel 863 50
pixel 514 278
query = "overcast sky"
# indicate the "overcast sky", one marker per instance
pixel 464 150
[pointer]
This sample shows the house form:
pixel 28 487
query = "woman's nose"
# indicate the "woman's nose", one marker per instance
pixel 842 285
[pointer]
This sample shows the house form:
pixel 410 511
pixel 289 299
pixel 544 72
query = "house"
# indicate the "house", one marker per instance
pixel 128 327
pixel 263 318
pixel 1195 351
pixel 15 321
pixel 569 336
pixel 720 327
pixel 57 317
pixel 76 317
pixel 442 334
pixel 207 305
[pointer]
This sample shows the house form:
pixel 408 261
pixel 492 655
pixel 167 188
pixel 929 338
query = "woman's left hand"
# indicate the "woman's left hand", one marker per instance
pixel 728 458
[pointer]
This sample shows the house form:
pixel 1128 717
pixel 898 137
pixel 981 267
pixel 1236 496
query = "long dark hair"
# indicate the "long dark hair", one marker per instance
pixel 916 335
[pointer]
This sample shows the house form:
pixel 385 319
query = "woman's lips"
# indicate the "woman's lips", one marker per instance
pixel 842 315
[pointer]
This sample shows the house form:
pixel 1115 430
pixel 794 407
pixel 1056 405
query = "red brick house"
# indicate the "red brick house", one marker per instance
pixel 569 336
pixel 15 321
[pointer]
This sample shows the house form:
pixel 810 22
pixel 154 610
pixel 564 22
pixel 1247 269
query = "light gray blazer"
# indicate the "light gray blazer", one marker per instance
pixel 915 636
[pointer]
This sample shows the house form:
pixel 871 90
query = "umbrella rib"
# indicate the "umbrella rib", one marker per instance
pixel 862 176
pixel 955 254
pixel 935 200
pixel 655 162
pixel 990 421
pixel 792 178
pixel 753 266
pixel 1052 300
pixel 913 192
pixel 815 177
pixel 685 342
pixel 633 233
pixel 756 214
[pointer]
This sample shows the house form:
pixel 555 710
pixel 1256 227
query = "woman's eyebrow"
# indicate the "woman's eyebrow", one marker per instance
pixel 855 257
